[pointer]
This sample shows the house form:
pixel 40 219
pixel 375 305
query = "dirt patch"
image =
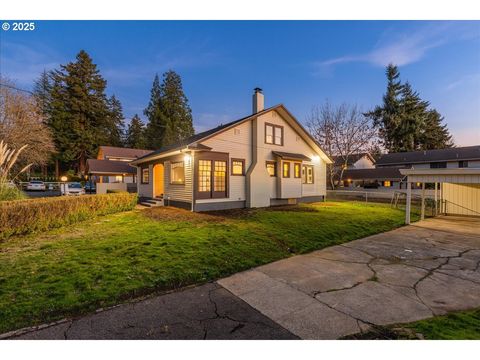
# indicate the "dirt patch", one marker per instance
pixel 175 214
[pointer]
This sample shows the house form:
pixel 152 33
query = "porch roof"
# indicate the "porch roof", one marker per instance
pixel 459 176
pixel 291 156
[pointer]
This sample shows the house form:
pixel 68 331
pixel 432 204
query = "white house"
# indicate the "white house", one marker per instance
pixel 264 159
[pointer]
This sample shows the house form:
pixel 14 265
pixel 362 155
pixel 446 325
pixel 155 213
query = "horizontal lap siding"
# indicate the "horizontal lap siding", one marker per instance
pixel 179 192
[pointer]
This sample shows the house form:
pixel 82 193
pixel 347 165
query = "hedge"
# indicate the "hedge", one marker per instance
pixel 31 215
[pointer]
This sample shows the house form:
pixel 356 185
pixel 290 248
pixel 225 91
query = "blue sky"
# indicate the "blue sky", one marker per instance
pixel 299 64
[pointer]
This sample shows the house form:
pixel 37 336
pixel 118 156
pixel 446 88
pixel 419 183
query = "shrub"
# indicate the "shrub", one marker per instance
pixel 10 193
pixel 31 215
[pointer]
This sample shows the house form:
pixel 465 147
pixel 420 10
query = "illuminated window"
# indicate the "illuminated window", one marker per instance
pixel 387 183
pixel 273 134
pixel 297 171
pixel 118 178
pixel 286 169
pixel 307 174
pixel 204 175
pixel 177 173
pixel 238 167
pixel 145 176
pixel 220 176
pixel 271 168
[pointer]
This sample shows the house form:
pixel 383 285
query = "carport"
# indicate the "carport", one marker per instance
pixel 457 191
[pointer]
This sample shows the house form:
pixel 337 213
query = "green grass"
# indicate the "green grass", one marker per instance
pixel 109 259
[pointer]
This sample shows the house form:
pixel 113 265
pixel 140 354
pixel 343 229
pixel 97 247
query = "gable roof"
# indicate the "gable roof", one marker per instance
pixel 121 152
pixel 96 166
pixel 192 141
pixel 352 159
pixel 415 157
pixel 373 174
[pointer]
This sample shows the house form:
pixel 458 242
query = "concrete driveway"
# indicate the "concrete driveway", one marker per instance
pixel 400 276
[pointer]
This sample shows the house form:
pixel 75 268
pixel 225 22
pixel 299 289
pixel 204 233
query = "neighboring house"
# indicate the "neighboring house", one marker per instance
pixel 264 159
pixel 112 166
pixel 355 161
pixel 387 168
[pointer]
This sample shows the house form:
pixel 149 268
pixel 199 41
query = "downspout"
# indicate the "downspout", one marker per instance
pixel 253 163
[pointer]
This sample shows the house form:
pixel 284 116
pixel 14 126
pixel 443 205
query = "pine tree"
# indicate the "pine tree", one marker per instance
pixel 135 136
pixel 115 126
pixel 386 117
pixel 157 123
pixel 435 135
pixel 42 88
pixel 79 115
pixel 176 109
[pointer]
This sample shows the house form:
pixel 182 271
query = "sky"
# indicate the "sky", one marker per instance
pixel 298 63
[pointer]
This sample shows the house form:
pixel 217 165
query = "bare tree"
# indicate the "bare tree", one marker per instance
pixel 21 123
pixel 342 131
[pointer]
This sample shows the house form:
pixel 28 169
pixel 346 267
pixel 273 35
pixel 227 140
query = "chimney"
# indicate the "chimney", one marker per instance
pixel 258 100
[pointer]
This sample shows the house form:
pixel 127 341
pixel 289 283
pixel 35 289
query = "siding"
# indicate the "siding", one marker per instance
pixel 179 192
pixel 462 199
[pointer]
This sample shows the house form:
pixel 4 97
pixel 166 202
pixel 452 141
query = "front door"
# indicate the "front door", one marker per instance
pixel 158 180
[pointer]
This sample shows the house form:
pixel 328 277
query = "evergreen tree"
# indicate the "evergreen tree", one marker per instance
pixel 135 136
pixel 42 88
pixel 155 129
pixel 79 115
pixel 405 122
pixel 115 126
pixel 176 109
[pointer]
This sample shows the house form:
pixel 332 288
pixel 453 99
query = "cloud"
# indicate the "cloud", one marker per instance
pixel 463 81
pixel 402 48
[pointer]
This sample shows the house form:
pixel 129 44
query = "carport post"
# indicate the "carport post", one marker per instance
pixel 409 200
pixel 422 210
pixel 436 199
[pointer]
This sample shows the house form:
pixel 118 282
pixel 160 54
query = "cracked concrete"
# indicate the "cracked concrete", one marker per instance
pixel 404 275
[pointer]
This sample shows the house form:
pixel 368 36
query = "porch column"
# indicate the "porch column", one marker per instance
pixel 422 211
pixel 436 199
pixel 408 204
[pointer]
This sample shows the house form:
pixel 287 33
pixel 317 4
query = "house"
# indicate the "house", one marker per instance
pixel 266 158
pixel 387 174
pixel 354 161
pixel 112 166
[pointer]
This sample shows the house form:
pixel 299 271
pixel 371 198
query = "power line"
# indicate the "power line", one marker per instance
pixel 15 88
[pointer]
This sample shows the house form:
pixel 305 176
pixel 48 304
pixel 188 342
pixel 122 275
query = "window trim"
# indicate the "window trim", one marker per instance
pixel 177 182
pixel 243 166
pixel 274 163
pixel 283 169
pixel 147 169
pixel 274 126
pixel 299 166
pixel 306 175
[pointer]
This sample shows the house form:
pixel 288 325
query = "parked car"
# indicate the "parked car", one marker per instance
pixel 90 187
pixel 36 185
pixel 73 188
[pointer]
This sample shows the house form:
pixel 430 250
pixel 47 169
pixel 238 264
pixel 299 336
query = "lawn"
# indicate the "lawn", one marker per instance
pixel 110 259
pixel 462 325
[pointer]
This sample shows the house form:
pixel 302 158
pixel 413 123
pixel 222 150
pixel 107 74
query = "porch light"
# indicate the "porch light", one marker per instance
pixel 187 158
pixel 63 178
pixel 316 158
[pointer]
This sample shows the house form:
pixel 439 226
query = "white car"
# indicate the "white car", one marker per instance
pixel 73 188
pixel 36 185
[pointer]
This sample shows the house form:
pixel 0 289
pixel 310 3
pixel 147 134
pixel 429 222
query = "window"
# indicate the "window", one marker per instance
pixel 145 176
pixel 297 174
pixel 272 168
pixel 238 167
pixel 307 174
pixel 438 165
pixel 273 134
pixel 387 183
pixel 204 175
pixel 463 164
pixel 118 178
pixel 177 173
pixel 286 169
pixel 220 176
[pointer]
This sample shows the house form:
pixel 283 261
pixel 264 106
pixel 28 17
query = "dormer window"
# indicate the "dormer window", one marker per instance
pixel 273 134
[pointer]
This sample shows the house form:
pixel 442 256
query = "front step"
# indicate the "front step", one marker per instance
pixel 149 202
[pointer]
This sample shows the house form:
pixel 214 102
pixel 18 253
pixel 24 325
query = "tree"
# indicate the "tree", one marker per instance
pixel 42 89
pixel 80 116
pixel 405 122
pixel 22 126
pixel 157 122
pixel 169 115
pixel 341 131
pixel 115 126
pixel 135 136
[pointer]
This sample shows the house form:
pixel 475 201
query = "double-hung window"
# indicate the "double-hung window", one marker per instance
pixel 145 175
pixel 177 173
pixel 286 169
pixel 273 134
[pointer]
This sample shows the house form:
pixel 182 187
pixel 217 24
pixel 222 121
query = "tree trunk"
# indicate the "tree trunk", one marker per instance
pixel 57 169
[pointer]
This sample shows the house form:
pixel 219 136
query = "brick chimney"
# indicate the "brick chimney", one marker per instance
pixel 258 100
